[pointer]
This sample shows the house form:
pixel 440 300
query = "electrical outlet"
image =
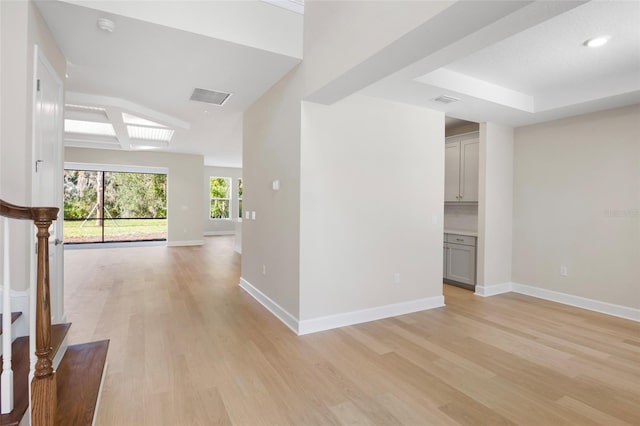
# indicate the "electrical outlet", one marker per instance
pixel 564 271
pixel 396 278
pixel 264 269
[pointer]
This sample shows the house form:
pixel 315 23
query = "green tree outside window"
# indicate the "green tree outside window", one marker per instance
pixel 219 191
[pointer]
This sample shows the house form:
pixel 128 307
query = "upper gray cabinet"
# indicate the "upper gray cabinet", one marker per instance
pixel 461 168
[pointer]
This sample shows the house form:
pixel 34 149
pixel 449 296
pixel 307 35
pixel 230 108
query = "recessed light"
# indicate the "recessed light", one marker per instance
pixel 597 41
pixel 106 25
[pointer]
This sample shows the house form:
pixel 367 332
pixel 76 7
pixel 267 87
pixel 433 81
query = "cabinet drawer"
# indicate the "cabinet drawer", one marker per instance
pixel 460 239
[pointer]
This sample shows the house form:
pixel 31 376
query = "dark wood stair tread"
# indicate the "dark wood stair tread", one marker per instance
pixel 14 317
pixel 78 382
pixel 20 366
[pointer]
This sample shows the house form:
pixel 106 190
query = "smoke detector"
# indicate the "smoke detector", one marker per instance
pixel 444 99
pixel 106 25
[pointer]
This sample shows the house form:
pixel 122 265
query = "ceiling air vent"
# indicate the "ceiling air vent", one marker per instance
pixel 444 99
pixel 210 96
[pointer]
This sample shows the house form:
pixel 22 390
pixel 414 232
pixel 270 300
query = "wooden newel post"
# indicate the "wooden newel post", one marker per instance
pixel 43 386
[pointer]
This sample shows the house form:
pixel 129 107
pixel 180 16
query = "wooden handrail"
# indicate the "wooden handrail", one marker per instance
pixel 14 212
pixel 43 386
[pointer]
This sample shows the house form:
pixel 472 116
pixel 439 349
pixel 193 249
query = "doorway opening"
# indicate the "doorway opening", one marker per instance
pixel 461 196
pixel 103 206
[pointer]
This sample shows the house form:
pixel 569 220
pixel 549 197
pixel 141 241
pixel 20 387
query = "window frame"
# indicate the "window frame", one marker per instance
pixel 227 199
pixel 239 195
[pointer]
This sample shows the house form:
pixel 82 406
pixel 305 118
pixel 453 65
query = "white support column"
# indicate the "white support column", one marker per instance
pixel 6 380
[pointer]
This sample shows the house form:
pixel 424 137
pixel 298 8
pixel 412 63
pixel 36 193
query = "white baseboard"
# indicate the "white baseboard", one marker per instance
pixel 57 359
pixel 620 311
pixel 215 233
pixel 365 315
pixel 492 290
pixel 95 411
pixel 277 310
pixel 185 243
pixel 340 320
pixel 625 312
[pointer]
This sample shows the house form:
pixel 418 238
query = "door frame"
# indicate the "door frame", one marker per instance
pixel 56 291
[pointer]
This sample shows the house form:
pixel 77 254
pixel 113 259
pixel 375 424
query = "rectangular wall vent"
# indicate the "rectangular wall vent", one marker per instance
pixel 210 96
pixel 446 99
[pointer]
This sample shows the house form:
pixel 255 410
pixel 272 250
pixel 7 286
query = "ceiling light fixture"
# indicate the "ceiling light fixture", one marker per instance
pixel 597 41
pixel 106 25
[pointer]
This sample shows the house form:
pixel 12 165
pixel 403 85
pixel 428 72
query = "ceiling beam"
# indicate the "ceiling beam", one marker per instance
pixel 458 31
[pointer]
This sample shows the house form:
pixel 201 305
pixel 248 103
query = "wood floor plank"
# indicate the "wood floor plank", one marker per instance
pixel 188 346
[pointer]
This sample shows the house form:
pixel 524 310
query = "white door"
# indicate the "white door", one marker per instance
pixel 48 167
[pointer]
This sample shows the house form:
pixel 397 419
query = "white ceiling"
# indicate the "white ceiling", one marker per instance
pixel 150 70
pixel 514 63
pixel 538 73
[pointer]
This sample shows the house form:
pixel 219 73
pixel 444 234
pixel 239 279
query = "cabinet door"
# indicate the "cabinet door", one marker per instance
pixel 444 261
pixel 469 159
pixel 461 263
pixel 451 171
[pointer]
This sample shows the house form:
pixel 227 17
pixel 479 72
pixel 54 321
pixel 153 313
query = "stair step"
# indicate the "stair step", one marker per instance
pixel 14 317
pixel 20 366
pixel 79 377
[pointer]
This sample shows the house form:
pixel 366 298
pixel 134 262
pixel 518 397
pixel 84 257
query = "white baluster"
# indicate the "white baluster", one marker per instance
pixel 6 380
pixel 32 317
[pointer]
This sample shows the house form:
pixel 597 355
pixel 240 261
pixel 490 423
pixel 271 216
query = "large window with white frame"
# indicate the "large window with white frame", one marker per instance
pixel 220 198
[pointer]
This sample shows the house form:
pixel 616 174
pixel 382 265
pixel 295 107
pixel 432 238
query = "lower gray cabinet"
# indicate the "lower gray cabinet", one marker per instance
pixel 460 260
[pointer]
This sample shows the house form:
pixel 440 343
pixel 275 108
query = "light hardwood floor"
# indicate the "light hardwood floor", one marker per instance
pixel 189 347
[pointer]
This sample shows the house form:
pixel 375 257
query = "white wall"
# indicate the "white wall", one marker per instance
pixel 271 135
pixel 221 226
pixel 372 178
pixel 271 150
pixel 577 203
pixel 495 205
pixel 21 28
pixel 339 35
pixel 184 186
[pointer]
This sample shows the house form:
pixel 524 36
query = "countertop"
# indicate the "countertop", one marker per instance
pixel 466 232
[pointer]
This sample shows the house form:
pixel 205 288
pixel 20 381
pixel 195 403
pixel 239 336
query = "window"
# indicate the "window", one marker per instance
pixel 239 198
pixel 108 206
pixel 219 193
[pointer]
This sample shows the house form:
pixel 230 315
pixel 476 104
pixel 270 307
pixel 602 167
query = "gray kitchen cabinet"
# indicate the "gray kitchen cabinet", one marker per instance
pixel 462 155
pixel 460 260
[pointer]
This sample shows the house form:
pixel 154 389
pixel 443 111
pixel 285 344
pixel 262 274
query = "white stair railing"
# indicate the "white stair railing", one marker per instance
pixel 6 379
